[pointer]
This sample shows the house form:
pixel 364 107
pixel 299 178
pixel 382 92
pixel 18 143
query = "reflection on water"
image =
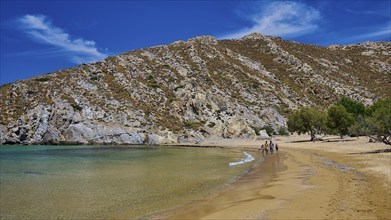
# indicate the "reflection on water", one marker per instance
pixel 108 182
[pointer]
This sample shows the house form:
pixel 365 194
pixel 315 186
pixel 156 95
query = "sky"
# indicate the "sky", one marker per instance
pixel 39 37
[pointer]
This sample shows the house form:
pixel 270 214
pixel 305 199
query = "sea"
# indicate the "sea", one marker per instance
pixel 121 182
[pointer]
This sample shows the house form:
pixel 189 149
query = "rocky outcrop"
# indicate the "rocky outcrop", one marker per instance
pixel 190 91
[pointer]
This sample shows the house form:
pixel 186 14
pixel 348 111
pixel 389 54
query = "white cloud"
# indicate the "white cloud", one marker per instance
pixel 285 18
pixel 372 33
pixel 42 30
pixel 381 32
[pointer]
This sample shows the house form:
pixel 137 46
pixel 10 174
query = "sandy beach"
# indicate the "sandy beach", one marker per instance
pixel 329 179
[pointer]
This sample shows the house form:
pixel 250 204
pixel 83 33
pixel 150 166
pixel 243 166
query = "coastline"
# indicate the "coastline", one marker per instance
pixel 332 179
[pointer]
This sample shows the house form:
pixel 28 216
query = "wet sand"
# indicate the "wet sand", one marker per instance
pixel 331 179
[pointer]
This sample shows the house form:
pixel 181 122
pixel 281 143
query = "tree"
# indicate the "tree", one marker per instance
pixel 358 111
pixel 353 107
pixel 339 120
pixel 381 103
pixel 360 126
pixel 380 121
pixel 306 120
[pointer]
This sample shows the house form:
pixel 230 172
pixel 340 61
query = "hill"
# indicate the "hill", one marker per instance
pixel 190 90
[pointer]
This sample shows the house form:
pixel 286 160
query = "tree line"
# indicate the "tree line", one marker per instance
pixel 346 117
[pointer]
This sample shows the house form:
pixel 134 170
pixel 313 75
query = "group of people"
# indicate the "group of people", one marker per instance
pixel 265 148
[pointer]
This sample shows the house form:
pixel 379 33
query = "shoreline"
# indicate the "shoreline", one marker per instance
pixel 332 179
pixel 198 209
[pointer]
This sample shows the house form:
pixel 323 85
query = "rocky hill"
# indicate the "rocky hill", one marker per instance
pixel 190 90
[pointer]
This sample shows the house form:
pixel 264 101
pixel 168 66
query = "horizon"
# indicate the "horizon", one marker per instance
pixel 36 35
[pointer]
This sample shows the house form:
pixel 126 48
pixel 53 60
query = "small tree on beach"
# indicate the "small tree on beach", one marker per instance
pixel 338 120
pixel 358 111
pixel 360 126
pixel 306 120
pixel 379 121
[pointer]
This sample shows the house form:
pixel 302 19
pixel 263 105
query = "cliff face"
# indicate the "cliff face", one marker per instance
pixel 190 90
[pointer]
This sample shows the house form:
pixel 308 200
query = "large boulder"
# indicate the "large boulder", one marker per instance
pixel 135 138
pixel 41 114
pixel 79 133
pixel 238 128
pixel 263 135
pixel 51 136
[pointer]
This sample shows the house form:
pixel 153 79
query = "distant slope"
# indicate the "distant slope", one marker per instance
pixel 190 90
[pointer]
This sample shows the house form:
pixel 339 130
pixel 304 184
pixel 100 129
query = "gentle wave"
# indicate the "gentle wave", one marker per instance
pixel 247 159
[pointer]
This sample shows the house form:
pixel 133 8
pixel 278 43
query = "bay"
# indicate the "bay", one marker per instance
pixel 100 182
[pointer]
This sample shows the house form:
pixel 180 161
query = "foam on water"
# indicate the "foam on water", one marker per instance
pixel 247 159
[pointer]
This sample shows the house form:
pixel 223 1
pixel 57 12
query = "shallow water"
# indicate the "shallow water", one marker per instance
pixel 84 182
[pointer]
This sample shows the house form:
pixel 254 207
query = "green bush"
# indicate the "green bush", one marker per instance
pixel 269 129
pixel 283 131
pixel 191 125
pixel 76 107
pixel 42 79
pixel 211 124
pixel 94 78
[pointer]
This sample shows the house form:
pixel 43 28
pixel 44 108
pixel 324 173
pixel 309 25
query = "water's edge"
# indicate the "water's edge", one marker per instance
pixel 259 174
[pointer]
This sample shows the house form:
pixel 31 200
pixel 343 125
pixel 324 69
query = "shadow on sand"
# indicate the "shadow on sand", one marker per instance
pixel 322 140
pixel 375 151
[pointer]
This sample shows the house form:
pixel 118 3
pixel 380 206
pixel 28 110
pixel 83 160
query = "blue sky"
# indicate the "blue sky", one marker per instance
pixel 38 37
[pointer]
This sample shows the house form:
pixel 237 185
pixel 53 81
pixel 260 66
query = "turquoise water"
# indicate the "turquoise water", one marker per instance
pixel 86 182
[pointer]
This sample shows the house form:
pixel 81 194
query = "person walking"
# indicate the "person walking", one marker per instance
pixel 262 149
pixel 266 147
pixel 271 145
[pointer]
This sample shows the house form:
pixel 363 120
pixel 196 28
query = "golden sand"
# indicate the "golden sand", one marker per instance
pixel 332 179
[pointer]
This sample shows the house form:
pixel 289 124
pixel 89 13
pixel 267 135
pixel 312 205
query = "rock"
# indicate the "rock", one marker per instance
pixel 79 133
pixel 87 86
pixel 254 36
pixel 87 113
pixel 2 134
pixel 276 120
pixel 11 140
pixel 152 139
pixel 51 136
pixel 263 135
pixel 136 138
pixel 23 134
pixel 367 53
pixel 204 39
pixel 182 71
pixel 41 125
pixel 125 138
pixel 238 128
pixel 76 118
pixel 61 115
